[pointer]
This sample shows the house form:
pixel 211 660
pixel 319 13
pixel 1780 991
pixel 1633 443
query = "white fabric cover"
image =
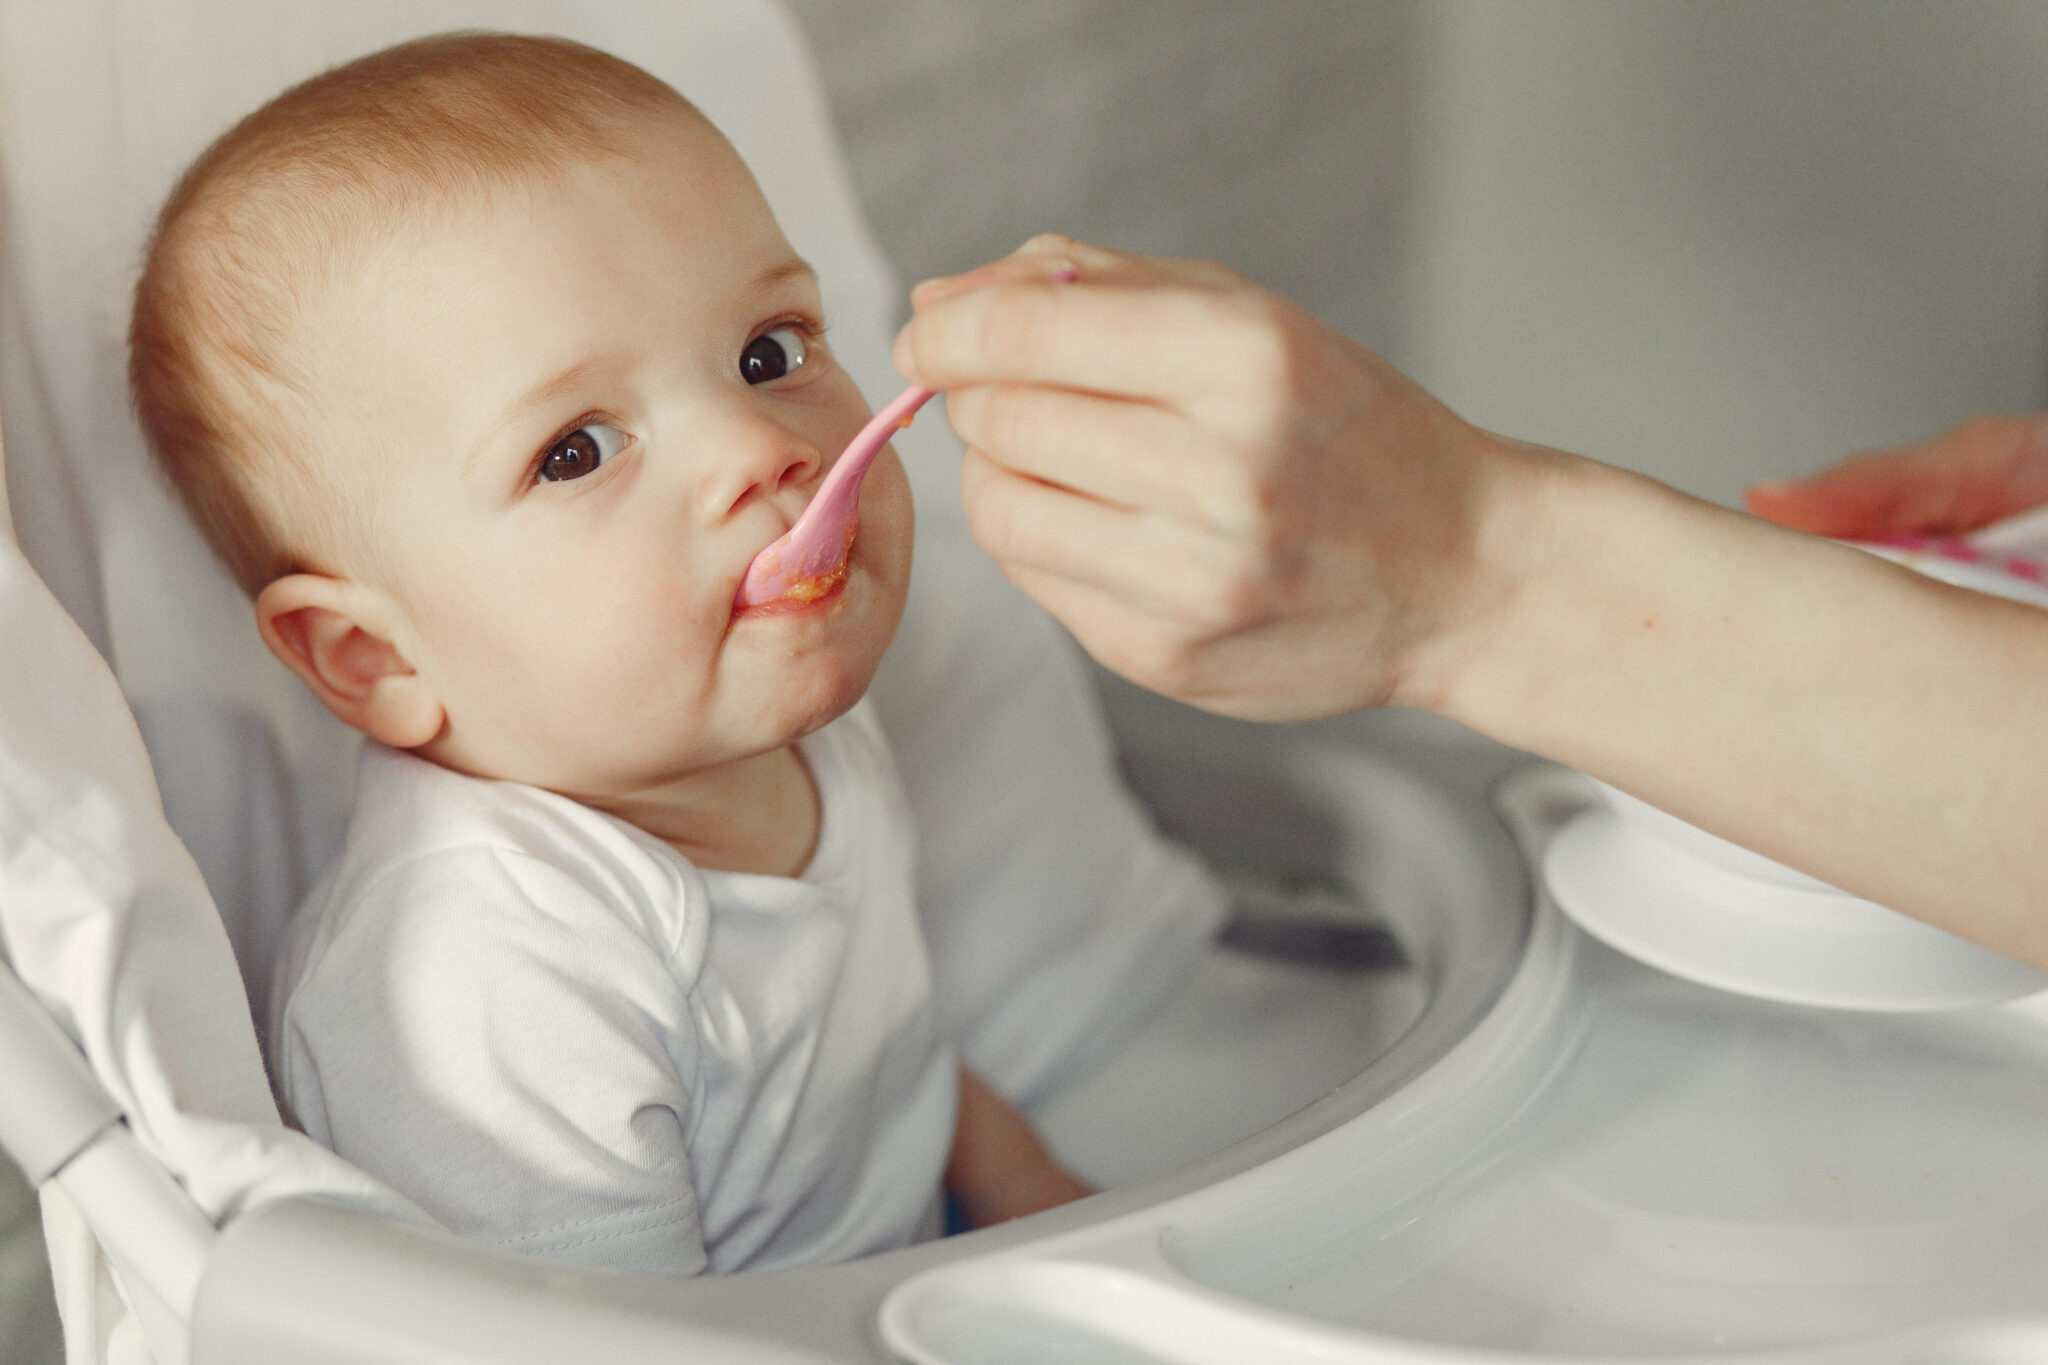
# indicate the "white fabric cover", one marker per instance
pixel 1036 853
pixel 103 913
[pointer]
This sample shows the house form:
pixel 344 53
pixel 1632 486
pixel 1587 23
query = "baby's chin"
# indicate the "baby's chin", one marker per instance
pixel 825 692
pixel 604 764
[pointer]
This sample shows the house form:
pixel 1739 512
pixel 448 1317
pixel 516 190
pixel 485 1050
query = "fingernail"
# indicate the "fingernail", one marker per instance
pixel 1062 272
pixel 923 287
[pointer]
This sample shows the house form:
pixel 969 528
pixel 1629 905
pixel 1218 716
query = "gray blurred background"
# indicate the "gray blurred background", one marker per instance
pixel 1714 242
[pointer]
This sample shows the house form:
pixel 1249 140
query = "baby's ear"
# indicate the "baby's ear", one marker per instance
pixel 337 636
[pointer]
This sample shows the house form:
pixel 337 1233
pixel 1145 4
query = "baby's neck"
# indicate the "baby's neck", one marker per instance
pixel 758 814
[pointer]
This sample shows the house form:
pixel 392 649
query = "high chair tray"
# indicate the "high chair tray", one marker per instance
pixel 1578 1158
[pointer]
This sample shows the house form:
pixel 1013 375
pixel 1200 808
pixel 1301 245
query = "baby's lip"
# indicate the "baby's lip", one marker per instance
pixel 808 590
pixel 804 588
pixel 793 604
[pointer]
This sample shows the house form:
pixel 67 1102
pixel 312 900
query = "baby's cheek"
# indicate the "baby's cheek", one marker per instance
pixel 888 520
pixel 570 649
pixel 664 633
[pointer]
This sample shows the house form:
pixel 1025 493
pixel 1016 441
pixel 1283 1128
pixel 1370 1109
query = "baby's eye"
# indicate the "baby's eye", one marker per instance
pixel 773 355
pixel 581 452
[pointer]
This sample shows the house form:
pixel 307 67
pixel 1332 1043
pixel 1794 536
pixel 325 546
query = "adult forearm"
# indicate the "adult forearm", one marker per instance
pixel 1229 503
pixel 1855 720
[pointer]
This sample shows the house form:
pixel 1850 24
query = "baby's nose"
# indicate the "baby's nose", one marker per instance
pixel 758 459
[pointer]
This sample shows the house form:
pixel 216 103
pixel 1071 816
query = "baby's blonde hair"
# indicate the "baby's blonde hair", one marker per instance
pixel 271 210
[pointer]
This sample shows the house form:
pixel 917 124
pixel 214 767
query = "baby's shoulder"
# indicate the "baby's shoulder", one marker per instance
pixel 429 849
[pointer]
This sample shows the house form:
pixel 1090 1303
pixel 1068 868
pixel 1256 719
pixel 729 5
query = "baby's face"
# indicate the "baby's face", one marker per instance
pixel 573 414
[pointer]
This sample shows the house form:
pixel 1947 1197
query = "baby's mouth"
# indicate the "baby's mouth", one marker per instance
pixel 806 589
pixel 799 562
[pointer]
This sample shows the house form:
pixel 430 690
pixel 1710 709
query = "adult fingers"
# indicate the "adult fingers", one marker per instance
pixel 1982 470
pixel 1053 256
pixel 1244 672
pixel 1168 342
pixel 1157 565
pixel 1156 652
pixel 1115 451
pixel 1049 256
pixel 1864 496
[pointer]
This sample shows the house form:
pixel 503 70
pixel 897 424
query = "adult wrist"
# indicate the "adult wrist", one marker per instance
pixel 1481 643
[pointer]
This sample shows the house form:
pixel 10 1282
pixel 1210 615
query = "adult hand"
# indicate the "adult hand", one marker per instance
pixel 1223 499
pixel 1984 470
pixel 1230 503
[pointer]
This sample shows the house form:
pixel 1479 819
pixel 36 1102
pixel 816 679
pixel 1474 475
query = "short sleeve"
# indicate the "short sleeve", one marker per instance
pixel 495 1038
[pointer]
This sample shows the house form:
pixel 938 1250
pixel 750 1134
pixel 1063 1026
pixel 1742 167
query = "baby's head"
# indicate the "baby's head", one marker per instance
pixel 483 365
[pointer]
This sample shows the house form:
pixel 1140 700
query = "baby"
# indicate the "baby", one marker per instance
pixel 484 366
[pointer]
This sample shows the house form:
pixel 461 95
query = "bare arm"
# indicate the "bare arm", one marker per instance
pixel 1231 504
pixel 1877 729
pixel 999 1168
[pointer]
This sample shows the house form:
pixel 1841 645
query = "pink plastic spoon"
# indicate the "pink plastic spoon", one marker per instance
pixel 810 558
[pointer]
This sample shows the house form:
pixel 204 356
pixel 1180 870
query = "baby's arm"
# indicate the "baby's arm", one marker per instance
pixel 493 1040
pixel 1000 1169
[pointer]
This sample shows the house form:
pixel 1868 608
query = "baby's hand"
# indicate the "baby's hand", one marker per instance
pixel 1986 469
pixel 1000 1169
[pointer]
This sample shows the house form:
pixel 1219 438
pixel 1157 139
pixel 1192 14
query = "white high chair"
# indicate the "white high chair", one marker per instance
pixel 1437 1169
pixel 184 1220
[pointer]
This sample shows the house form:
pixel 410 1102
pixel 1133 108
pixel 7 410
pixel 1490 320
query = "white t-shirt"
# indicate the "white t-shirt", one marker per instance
pixel 560 1037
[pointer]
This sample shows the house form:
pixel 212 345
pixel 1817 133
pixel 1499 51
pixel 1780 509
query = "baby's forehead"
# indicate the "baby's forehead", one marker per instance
pixel 379 203
pixel 384 236
pixel 391 210
pixel 305 195
pixel 568 260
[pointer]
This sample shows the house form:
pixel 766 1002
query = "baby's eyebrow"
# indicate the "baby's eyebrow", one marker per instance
pixel 784 270
pixel 539 396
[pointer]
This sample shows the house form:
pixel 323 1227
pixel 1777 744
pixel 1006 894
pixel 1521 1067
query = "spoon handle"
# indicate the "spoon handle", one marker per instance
pixel 860 452
pixel 819 533
pixel 816 546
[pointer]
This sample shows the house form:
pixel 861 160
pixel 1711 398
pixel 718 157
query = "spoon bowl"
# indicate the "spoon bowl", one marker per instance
pixel 809 560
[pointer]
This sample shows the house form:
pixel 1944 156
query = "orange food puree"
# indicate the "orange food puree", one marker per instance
pixel 812 586
pixel 809 587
